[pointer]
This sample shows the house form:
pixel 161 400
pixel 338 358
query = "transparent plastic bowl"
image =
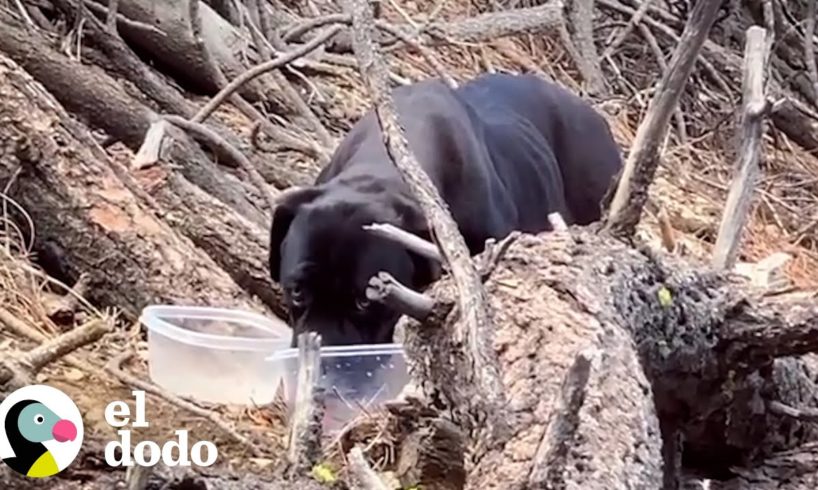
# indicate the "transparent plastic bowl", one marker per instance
pixel 214 354
pixel 356 378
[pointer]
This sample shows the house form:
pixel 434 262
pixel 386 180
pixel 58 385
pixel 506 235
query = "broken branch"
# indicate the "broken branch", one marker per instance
pixel 637 175
pixel 385 289
pixel 363 476
pixel 65 344
pixel 410 241
pixel 304 446
pixel 737 208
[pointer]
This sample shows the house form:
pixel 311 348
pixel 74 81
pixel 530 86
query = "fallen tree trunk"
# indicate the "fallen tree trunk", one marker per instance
pixel 88 220
pixel 667 345
pixel 101 103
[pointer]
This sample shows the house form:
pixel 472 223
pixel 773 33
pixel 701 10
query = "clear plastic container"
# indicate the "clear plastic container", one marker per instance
pixel 214 354
pixel 356 379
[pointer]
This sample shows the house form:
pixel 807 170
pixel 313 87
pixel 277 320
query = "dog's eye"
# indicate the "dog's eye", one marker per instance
pixel 39 419
pixel 362 303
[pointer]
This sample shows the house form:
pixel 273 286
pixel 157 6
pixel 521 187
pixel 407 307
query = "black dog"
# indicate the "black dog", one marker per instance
pixel 504 151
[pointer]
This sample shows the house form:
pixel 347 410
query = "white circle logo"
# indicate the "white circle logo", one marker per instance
pixel 40 431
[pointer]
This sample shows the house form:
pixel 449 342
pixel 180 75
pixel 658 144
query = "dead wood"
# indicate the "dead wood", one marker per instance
pixel 755 106
pixel 480 28
pixel 260 69
pixel 363 477
pixel 478 412
pixel 698 356
pixel 385 289
pixel 126 64
pixel 174 49
pixel 225 148
pixel 101 103
pixel 21 370
pixel 410 241
pixel 788 470
pixel 108 227
pixel 431 454
pixel 632 191
pixel 304 443
pixel 580 25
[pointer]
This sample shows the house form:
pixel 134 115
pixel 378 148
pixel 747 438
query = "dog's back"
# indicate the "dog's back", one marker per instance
pixel 503 151
pixel 578 136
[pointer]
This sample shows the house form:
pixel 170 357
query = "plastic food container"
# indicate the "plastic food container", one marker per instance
pixel 214 354
pixel 356 379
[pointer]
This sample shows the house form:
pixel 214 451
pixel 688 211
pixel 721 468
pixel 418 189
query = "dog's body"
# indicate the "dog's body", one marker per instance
pixel 503 151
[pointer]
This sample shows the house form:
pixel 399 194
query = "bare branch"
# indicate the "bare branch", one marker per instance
pixel 580 17
pixel 363 477
pixel 259 70
pixel 480 28
pixel 635 20
pixel 385 289
pixel 110 20
pixel 65 344
pixel 410 241
pixel 737 208
pixel 475 328
pixel 802 414
pixel 283 83
pixel 632 191
pixel 809 51
pixel 493 252
pixel 425 52
pixel 304 444
pixel 102 9
pixel 221 146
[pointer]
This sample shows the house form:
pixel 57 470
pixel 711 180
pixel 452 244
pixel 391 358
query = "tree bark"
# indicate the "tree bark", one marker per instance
pixel 673 347
pixel 88 220
pixel 101 103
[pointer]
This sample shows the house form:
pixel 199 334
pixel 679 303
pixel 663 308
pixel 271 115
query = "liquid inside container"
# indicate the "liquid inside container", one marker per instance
pixel 214 354
pixel 355 378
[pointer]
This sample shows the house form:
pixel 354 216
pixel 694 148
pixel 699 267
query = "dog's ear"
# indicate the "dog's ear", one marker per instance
pixel 287 204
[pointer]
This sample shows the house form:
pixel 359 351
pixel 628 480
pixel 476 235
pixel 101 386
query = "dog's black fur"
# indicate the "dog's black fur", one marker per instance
pixel 504 151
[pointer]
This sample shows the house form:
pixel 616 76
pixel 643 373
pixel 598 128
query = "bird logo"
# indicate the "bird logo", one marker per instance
pixel 41 429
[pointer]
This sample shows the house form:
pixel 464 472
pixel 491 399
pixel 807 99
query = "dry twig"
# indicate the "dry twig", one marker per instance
pixel 114 368
pixel 580 17
pixel 259 70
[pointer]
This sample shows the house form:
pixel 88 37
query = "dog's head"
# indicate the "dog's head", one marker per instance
pixel 323 259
